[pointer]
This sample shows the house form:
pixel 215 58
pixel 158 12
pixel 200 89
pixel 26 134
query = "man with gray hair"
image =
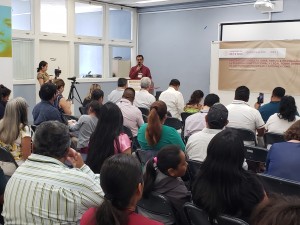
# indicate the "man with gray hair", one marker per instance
pixel 143 99
pixel 43 190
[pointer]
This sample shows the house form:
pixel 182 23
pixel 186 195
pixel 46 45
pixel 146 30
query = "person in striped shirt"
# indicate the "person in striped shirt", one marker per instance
pixel 43 190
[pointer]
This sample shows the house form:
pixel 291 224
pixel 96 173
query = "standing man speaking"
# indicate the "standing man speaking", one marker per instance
pixel 139 71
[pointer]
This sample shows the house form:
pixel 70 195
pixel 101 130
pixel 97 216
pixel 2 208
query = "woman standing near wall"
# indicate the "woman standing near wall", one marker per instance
pixel 43 76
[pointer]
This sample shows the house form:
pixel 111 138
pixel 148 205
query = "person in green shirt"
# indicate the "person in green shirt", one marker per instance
pixel 154 135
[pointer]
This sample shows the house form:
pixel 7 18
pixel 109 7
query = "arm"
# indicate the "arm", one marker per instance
pixel 76 126
pixel 180 103
pixel 41 81
pixel 25 147
pixel 134 72
pixel 148 73
pixel 66 106
pixel 140 120
pixel 127 151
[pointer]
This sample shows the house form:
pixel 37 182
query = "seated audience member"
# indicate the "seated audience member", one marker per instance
pixel 143 99
pixel 122 182
pixel 63 105
pixel 86 126
pixel 216 120
pixel 132 116
pixel 283 158
pixel 3 181
pixel 173 99
pixel 45 110
pixel 108 138
pixel 55 193
pixel 193 104
pixel 88 98
pixel 116 95
pixel 4 96
pixel 154 135
pixel 272 107
pixel 286 116
pixel 241 115
pixel 15 133
pixel 278 210
pixel 97 95
pixel 162 175
pixel 196 122
pixel 222 185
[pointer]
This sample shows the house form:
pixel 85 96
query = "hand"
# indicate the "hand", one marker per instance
pixel 75 158
pixel 256 105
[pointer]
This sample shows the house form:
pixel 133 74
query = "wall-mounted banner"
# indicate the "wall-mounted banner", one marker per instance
pixel 260 65
pixel 5 31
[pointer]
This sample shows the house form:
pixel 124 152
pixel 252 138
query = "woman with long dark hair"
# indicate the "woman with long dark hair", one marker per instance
pixel 193 104
pixel 162 175
pixel 222 185
pixel 108 138
pixel 121 180
pixel 42 75
pixel 280 122
pixel 154 135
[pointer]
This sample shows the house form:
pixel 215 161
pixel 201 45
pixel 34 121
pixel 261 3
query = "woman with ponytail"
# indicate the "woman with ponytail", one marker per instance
pixel 162 175
pixel 122 182
pixel 154 135
pixel 42 75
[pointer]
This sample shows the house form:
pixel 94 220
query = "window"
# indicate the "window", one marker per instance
pixel 89 20
pixel 53 16
pixel 21 15
pixel 23 59
pixel 89 60
pixel 120 24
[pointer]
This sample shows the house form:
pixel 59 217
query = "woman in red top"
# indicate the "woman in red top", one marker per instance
pixel 122 182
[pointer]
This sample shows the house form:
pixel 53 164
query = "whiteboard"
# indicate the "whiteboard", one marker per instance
pixel 226 97
pixel 261 30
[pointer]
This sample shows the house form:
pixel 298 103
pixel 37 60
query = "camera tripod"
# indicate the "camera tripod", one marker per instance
pixel 71 92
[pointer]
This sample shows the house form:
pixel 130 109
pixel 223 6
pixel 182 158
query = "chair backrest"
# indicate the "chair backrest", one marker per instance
pixel 144 155
pixel 144 111
pixel 245 134
pixel 271 138
pixel 193 168
pixel 173 122
pixel 6 156
pixel 128 132
pixel 157 207
pixel 197 216
pixel 255 153
pixel 185 115
pixel 279 185
pixel 145 118
pixel 82 110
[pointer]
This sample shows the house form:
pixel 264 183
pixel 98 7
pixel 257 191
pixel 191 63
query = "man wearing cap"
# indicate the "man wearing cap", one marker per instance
pixel 216 120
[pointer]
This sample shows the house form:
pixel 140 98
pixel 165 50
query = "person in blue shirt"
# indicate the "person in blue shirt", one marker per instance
pixel 283 157
pixel 272 107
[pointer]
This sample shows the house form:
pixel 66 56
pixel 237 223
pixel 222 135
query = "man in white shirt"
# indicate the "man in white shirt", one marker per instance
pixel 173 99
pixel 143 99
pixel 241 115
pixel 132 116
pixel 197 122
pixel 43 190
pixel 116 95
pixel 216 120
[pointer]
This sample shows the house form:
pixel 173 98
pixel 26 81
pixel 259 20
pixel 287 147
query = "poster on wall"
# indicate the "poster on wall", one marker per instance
pixel 5 31
pixel 260 65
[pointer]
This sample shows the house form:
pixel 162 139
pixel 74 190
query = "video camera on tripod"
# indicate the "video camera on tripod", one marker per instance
pixel 72 88
pixel 73 79
pixel 57 72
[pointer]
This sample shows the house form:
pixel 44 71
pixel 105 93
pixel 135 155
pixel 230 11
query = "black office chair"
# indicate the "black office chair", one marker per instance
pixel 271 138
pixel 173 122
pixel 280 185
pixel 145 118
pixel 6 156
pixel 83 110
pixel 157 207
pixel 184 115
pixel 193 168
pixel 245 134
pixel 144 111
pixel 197 216
pixel 255 153
pixel 144 155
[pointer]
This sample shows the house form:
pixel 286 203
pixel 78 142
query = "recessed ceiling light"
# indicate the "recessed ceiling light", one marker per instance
pixel 150 1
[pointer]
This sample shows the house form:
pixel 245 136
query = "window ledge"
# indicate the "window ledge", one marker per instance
pixel 91 80
pixel 20 82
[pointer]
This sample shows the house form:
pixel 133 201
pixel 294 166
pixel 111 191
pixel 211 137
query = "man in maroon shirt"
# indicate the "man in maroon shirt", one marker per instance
pixel 139 71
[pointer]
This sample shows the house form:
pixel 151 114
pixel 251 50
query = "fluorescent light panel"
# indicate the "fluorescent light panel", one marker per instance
pixel 150 1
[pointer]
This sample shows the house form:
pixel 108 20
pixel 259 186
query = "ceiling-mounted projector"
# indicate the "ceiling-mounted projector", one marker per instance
pixel 264 5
